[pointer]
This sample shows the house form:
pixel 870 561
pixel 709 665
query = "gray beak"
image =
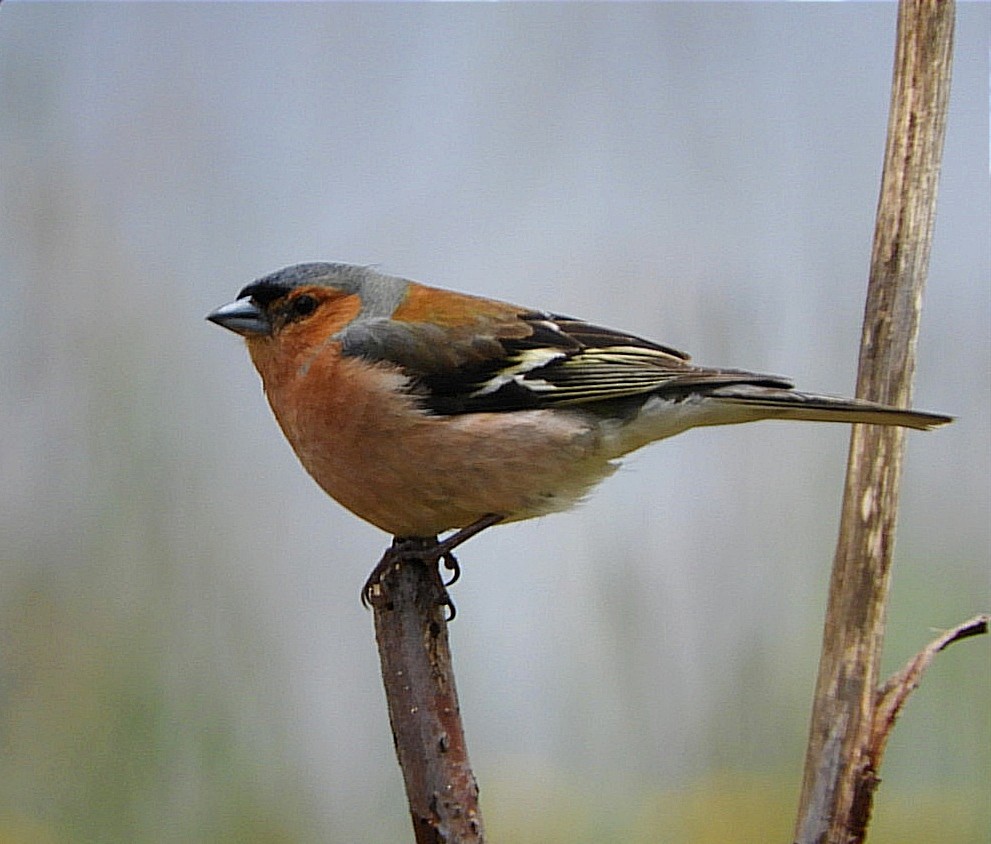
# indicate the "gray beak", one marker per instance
pixel 242 317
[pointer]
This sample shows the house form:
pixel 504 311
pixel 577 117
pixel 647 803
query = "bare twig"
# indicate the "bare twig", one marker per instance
pixel 892 695
pixel 411 631
pixel 839 781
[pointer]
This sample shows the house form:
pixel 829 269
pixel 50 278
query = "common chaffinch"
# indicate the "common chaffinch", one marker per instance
pixel 422 410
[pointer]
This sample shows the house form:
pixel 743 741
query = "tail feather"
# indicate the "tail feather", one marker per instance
pixel 770 403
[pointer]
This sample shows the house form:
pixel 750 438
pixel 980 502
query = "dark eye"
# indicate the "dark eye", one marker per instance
pixel 303 306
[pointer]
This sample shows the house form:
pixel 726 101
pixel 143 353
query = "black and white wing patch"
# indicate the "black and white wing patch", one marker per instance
pixel 532 360
pixel 568 362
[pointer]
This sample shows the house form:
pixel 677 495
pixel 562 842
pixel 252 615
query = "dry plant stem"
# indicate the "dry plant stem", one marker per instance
pixel 840 776
pixel 892 696
pixel 411 631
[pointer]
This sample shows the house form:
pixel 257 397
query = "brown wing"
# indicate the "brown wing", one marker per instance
pixel 533 360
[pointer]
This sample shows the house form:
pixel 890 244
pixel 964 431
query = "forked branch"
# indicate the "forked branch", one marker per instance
pixel 840 770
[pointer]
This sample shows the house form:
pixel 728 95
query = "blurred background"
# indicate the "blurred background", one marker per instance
pixel 183 656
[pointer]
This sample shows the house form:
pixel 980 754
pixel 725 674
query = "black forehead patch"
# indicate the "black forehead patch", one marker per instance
pixel 343 277
pixel 265 292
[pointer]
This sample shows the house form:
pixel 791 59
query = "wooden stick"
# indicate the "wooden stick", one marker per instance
pixel 839 778
pixel 411 631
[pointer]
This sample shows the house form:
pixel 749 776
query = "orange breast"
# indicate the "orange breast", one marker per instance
pixel 370 447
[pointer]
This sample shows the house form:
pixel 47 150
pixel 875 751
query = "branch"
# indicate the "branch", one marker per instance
pixel 838 782
pixel 411 631
pixel 891 697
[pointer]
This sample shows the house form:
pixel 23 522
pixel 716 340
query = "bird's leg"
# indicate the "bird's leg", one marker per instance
pixel 447 545
pixel 426 551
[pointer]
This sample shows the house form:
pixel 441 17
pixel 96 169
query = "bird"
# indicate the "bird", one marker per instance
pixel 424 410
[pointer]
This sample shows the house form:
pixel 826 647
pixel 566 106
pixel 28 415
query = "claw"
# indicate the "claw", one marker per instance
pixel 452 565
pixel 427 551
pixel 371 592
pixel 452 610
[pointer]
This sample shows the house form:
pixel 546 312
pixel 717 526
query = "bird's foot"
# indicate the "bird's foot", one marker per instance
pixel 426 551
pixel 423 551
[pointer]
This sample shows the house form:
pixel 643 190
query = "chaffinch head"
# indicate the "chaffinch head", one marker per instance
pixel 422 410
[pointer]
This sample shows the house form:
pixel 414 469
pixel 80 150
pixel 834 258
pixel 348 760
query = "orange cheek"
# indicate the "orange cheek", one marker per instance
pixel 344 310
pixel 332 316
pixel 280 358
pixel 307 335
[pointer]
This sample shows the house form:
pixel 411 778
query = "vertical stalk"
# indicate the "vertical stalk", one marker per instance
pixel 840 773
